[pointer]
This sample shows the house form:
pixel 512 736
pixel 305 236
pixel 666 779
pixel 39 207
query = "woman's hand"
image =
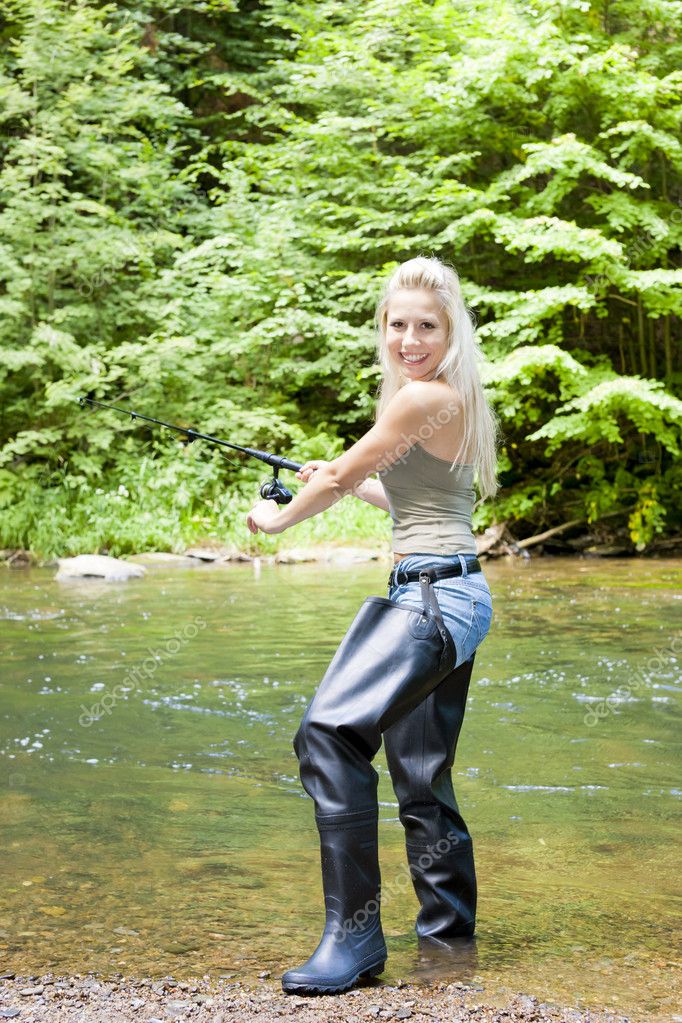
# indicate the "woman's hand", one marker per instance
pixel 263 516
pixel 306 472
pixel 321 492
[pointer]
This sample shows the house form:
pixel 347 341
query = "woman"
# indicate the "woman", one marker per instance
pixel 401 673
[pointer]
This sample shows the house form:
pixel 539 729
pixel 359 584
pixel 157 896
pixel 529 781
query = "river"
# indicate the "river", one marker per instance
pixel 153 822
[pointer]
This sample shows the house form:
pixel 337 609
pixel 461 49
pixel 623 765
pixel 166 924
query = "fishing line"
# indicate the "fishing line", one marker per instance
pixel 271 490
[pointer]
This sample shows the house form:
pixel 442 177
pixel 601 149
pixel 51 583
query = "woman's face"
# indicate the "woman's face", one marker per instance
pixel 416 332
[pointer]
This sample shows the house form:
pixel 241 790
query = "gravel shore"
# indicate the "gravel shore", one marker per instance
pixel 119 999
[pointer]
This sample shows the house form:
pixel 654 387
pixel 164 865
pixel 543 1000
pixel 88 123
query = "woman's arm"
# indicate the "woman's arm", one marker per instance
pixel 416 405
pixel 372 491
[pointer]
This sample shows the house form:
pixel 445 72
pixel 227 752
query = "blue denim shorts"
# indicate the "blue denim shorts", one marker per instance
pixel 465 601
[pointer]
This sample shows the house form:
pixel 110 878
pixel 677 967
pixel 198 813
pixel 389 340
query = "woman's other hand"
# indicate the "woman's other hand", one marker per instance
pixel 263 516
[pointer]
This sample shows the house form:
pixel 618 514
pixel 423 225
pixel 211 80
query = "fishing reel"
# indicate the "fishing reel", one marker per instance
pixel 274 490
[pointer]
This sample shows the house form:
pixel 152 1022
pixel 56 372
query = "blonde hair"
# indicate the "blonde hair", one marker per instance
pixel 459 366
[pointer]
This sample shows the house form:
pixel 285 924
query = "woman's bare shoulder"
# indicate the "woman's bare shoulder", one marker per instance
pixel 432 394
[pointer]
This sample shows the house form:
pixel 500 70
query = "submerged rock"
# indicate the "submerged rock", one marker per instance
pixel 335 555
pixel 16 557
pixel 216 554
pixel 342 555
pixel 162 559
pixel 98 566
pixel 205 554
pixel 296 556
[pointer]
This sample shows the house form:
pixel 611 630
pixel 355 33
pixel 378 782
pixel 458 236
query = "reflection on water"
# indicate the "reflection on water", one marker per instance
pixel 153 822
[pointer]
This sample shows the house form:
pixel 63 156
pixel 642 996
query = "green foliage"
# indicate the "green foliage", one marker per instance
pixel 600 411
pixel 198 201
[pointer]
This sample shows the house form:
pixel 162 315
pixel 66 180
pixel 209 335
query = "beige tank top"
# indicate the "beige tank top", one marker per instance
pixel 430 506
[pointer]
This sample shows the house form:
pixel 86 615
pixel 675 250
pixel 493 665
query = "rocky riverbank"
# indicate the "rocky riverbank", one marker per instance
pixel 208 554
pixel 119 999
pixel 495 543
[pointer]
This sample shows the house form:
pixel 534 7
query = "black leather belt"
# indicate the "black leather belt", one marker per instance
pixel 400 576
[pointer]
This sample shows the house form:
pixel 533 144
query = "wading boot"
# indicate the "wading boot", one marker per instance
pixel 352 944
pixel 420 751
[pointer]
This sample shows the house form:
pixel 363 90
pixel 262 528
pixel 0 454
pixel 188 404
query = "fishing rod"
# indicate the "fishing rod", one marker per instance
pixel 271 490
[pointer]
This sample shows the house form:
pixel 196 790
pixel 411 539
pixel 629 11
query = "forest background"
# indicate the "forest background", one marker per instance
pixel 198 204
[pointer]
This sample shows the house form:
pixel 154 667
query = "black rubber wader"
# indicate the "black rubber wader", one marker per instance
pixel 392 657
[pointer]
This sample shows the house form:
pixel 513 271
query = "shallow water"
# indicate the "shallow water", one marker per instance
pixel 152 820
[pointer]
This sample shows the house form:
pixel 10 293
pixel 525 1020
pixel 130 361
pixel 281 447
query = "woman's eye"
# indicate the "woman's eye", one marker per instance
pixel 398 324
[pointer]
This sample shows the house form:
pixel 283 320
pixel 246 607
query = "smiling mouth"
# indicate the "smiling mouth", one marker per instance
pixel 413 360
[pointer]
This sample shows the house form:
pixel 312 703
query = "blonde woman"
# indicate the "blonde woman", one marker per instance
pixel 402 671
